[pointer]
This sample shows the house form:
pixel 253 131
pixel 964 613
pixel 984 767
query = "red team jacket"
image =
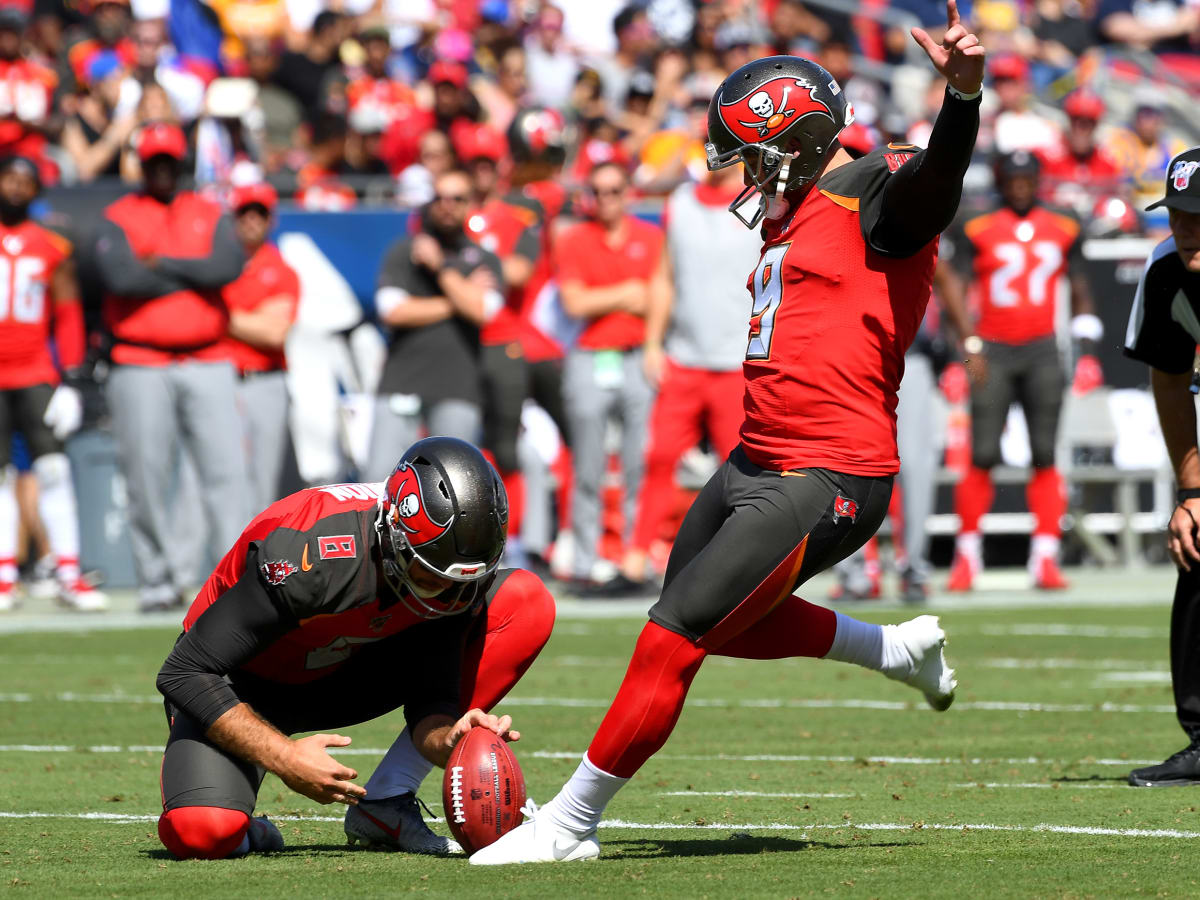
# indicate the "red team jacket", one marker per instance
pixel 190 322
pixel 29 254
pixel 830 323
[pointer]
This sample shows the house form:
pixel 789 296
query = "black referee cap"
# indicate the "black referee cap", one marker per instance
pixel 1183 183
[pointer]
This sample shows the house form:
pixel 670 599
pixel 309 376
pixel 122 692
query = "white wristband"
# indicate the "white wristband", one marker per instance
pixel 493 302
pixel 1087 327
pixel 959 95
pixel 387 299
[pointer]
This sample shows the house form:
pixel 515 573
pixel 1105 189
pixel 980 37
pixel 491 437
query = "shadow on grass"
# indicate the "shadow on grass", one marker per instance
pixel 1092 779
pixel 649 848
pixel 289 850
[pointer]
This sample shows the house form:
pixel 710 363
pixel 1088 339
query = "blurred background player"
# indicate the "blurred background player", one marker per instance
pixel 609 275
pixel 1017 254
pixel 41 341
pixel 694 348
pixel 262 305
pixel 1079 169
pixel 437 288
pixel 163 256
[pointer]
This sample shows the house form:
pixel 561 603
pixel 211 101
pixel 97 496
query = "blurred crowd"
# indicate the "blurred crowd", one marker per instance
pixel 523 136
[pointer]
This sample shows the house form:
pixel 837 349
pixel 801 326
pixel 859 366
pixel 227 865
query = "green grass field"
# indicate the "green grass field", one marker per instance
pixel 783 779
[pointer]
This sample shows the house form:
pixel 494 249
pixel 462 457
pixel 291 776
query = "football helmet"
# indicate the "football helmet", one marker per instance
pixel 538 134
pixel 780 116
pixel 444 509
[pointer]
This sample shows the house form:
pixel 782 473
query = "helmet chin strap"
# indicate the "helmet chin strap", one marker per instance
pixel 777 207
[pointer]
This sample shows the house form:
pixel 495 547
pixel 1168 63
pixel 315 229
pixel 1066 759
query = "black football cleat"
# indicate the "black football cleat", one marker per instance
pixel 1176 770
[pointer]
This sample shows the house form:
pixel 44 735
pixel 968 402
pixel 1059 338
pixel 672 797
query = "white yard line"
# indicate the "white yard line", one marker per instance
pixel 1049 629
pixel 1058 785
pixel 748 794
pixel 962 828
pixel 1009 662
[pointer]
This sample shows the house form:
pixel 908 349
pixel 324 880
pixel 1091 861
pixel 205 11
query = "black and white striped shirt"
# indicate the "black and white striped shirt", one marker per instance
pixel 1164 323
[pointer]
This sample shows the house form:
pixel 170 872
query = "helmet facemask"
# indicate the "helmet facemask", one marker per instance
pixel 768 168
pixel 399 556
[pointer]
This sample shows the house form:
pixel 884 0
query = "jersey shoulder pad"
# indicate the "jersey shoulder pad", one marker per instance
pixel 1065 219
pixel 864 175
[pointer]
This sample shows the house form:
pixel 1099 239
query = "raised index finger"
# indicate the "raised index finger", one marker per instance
pixel 951 14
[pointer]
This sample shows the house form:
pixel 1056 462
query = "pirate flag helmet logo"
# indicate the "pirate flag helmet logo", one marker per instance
pixel 779 116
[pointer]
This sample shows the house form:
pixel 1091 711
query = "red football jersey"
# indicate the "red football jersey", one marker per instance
pixel 266 277
pixel 830 322
pixel 582 253
pixel 315 548
pixel 26 99
pixel 1017 264
pixel 29 254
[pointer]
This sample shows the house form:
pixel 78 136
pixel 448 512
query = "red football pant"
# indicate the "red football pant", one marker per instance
pixel 202 832
pixel 650 699
pixel 1046 496
pixel 519 621
pixel 690 403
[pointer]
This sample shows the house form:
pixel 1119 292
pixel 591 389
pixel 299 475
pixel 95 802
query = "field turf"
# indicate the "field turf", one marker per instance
pixel 783 779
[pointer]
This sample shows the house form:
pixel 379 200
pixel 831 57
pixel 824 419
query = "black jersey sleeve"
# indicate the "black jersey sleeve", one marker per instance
pixel 904 211
pixel 1164 325
pixel 324 569
pixel 239 624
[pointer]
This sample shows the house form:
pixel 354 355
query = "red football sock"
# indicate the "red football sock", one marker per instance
pixel 1046 497
pixel 794 628
pixel 202 832
pixel 519 620
pixel 972 498
pixel 649 702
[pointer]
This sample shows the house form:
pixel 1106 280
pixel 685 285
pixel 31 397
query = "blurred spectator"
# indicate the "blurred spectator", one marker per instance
pixel 796 30
pixel 107 24
pixel 227 137
pixel 1017 254
pixel 551 68
pixel 42 294
pixel 163 256
pixel 374 91
pixel 364 143
pixel 694 348
pixel 26 96
pixel 154 107
pixel 673 155
pixel 436 289
pixel 738 41
pixel 1016 126
pixel 609 275
pixel 93 137
pixel 281 111
pixel 866 94
pixel 318 185
pixel 454 106
pixel 501 100
pixel 918 133
pixel 155 60
pixel 414 187
pixel 244 21
pixel 636 41
pixel 262 306
pixel 1164 26
pixel 1077 170
pixel 1143 150
pixel 1063 32
pixel 304 74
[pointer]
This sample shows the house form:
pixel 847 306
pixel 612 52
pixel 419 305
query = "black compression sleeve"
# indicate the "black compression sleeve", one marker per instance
pixel 440 665
pixel 921 198
pixel 238 625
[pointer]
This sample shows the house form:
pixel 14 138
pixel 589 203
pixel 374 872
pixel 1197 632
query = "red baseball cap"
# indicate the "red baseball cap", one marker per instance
pixel 479 142
pixel 1083 104
pixel 442 72
pixel 247 194
pixel 1010 65
pixel 161 139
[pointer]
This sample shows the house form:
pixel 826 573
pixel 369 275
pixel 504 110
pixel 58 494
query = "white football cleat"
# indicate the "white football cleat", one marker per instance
pixel 8 598
pixel 925 642
pixel 82 597
pixel 537 839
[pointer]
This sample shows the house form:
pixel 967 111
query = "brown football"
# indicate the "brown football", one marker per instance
pixel 483 790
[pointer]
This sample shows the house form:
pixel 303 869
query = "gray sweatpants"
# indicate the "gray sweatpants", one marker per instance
pixel 591 397
pixel 397 426
pixel 262 403
pixel 155 410
pixel 916 410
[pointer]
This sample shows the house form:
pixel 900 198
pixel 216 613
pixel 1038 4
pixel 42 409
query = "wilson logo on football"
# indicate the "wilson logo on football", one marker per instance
pixel 772 109
pixel 337 546
pixel 405 488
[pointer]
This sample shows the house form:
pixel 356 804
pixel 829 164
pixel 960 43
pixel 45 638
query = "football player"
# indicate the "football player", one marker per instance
pixel 39 305
pixel 1018 255
pixel 337 605
pixel 849 248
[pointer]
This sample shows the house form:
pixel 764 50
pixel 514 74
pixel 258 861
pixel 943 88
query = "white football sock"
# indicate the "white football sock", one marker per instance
pixel 970 545
pixel 875 647
pixel 582 800
pixel 1043 546
pixel 56 506
pixel 401 772
pixel 8 526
